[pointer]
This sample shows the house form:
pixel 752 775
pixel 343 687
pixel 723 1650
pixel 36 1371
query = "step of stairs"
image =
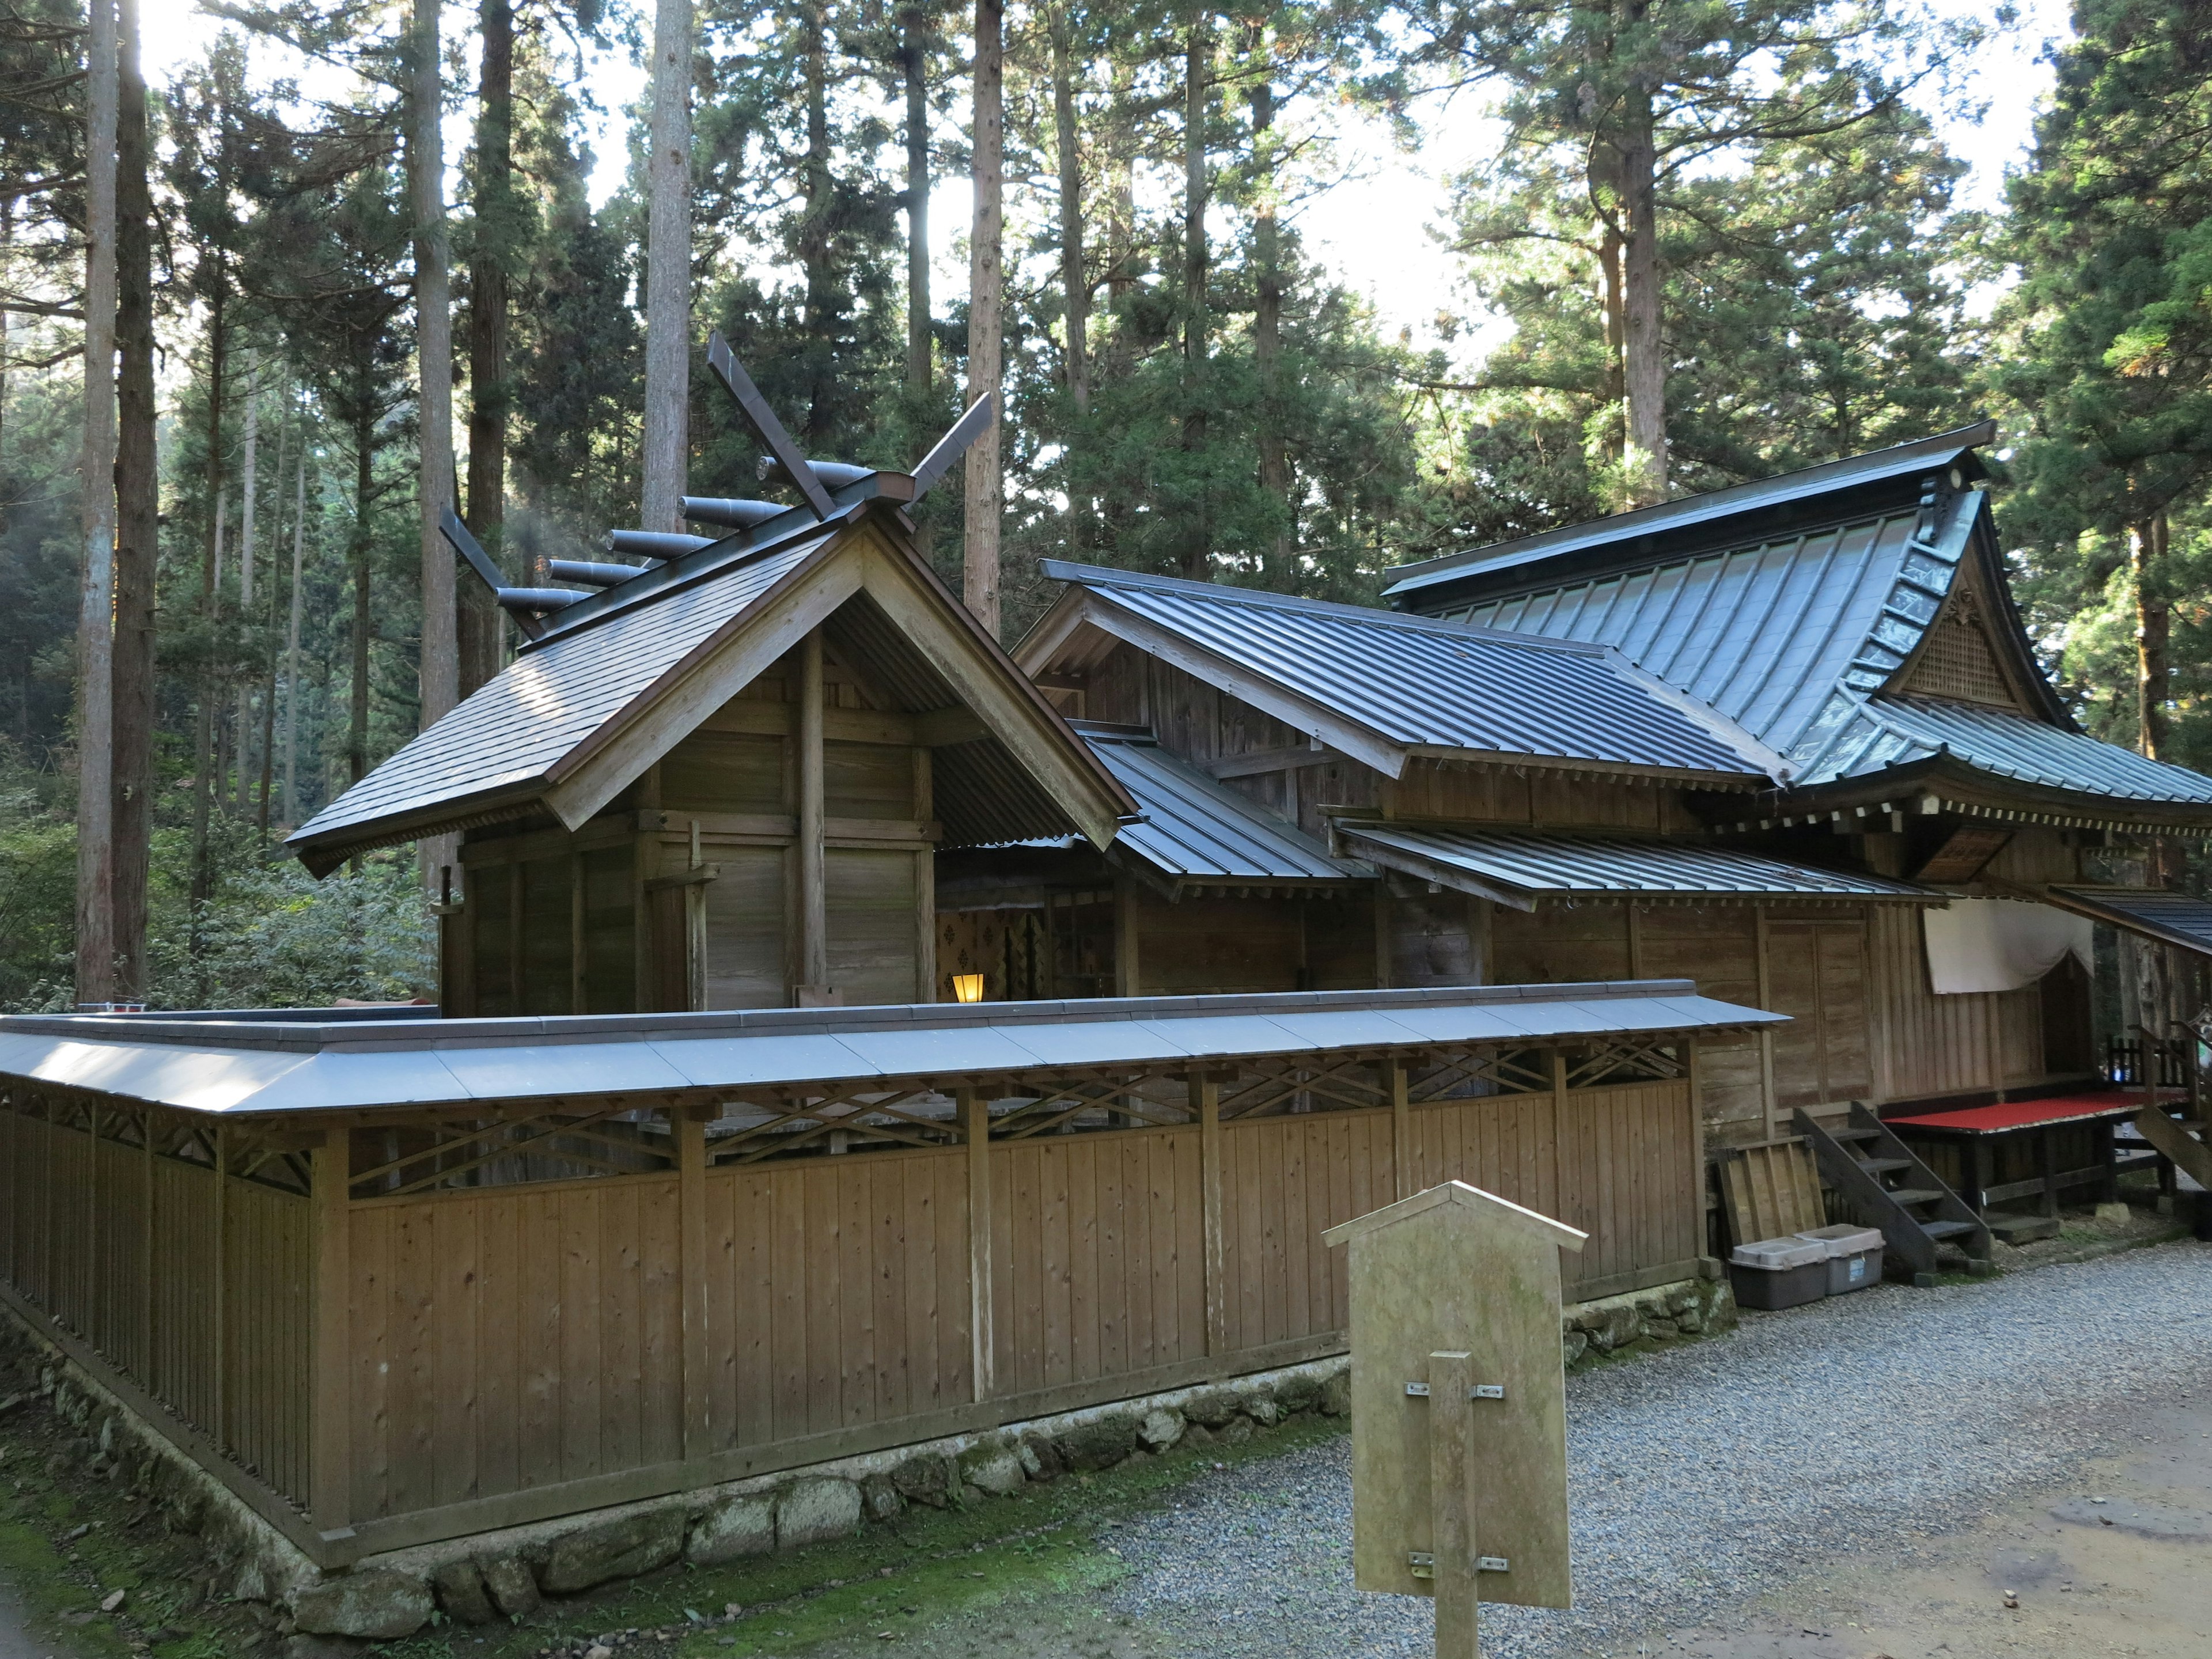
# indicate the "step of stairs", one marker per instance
pixel 1885 1185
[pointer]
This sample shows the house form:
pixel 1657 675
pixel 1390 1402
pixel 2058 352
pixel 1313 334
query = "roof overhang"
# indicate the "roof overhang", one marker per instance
pixel 1520 871
pixel 365 1072
pixel 1945 783
pixel 2180 919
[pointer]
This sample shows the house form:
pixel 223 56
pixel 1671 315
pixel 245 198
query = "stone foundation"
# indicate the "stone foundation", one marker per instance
pixel 498 1575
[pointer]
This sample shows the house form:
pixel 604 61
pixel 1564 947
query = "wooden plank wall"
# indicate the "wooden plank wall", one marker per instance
pixel 509 1338
pixel 194 1287
pixel 1929 1045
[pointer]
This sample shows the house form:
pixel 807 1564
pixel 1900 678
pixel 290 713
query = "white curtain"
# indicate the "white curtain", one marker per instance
pixel 2001 945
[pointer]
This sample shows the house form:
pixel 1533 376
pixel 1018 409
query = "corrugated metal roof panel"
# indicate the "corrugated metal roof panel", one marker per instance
pixel 1421 683
pixel 507 737
pixel 1833 477
pixel 1887 732
pixel 1567 866
pixel 1195 830
pixel 262 1066
pixel 2172 918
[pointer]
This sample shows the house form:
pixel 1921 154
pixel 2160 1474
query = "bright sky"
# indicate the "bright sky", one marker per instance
pixel 1378 233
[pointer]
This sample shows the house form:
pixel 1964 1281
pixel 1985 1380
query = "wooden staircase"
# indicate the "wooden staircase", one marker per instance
pixel 2177 1138
pixel 1885 1185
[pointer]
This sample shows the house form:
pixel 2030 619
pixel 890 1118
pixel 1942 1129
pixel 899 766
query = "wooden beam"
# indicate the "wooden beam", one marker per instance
pixel 1126 976
pixel 1401 1125
pixel 813 873
pixel 330 1477
pixel 1767 1033
pixel 940 728
pixel 975 1125
pixel 1452 1500
pixel 1271 760
pixel 576 935
pixel 1206 1103
pixel 690 1127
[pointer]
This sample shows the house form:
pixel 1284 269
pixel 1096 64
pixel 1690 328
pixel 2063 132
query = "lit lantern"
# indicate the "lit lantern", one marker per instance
pixel 968 988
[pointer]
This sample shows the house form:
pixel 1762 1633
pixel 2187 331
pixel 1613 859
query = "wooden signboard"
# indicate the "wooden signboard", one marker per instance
pixel 1459 1455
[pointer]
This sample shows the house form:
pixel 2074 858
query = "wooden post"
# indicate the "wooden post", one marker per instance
pixel 90 1318
pixel 1451 1502
pixel 219 1427
pixel 516 1003
pixel 1382 937
pixel 1125 938
pixel 1766 1034
pixel 925 881
pixel 576 934
pixel 690 1127
pixel 976 1124
pixel 695 931
pixel 1205 1101
pixel 331 1476
pixel 1698 1145
pixel 146 1248
pixel 1401 1126
pixel 813 874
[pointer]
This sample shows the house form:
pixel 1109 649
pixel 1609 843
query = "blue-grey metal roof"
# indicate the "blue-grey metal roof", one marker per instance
pixel 504 743
pixel 1421 683
pixel 1771 632
pixel 2171 918
pixel 1883 733
pixel 1522 868
pixel 1199 832
pixel 285 1065
pixel 1672 518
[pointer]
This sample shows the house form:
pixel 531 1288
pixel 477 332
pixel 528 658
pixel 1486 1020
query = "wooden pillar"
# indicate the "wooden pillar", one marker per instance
pixel 690 1127
pixel 1451 1502
pixel 1126 975
pixel 329 1479
pixel 515 1004
pixel 1382 937
pixel 925 880
pixel 975 1125
pixel 146 1250
pixel 576 934
pixel 220 1428
pixel 1401 1125
pixel 1703 1179
pixel 813 873
pixel 91 1319
pixel 695 929
pixel 1767 1033
pixel 1205 1102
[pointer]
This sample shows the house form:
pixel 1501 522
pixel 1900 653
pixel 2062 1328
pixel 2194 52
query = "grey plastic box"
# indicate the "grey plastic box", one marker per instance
pixel 1854 1255
pixel 1773 1273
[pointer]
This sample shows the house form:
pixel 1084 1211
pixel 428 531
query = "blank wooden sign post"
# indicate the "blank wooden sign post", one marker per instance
pixel 1459 1411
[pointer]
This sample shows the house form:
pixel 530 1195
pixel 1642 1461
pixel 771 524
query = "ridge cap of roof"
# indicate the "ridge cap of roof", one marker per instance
pixel 1869 467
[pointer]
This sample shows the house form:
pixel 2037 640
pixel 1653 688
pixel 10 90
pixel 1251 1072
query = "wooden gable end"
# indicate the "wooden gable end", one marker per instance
pixel 1957 660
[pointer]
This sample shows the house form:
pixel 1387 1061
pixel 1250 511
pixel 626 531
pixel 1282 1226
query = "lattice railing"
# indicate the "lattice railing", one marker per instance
pixel 558 1145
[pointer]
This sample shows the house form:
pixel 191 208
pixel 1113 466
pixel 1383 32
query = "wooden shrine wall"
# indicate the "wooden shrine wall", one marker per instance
pixel 510 1343
pixel 195 1286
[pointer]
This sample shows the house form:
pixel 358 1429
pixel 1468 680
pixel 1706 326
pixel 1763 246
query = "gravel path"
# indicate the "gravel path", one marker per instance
pixel 1716 1472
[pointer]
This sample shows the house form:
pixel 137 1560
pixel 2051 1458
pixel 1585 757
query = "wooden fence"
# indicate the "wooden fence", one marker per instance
pixel 492 1354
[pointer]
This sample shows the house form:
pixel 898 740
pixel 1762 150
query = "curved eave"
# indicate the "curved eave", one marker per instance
pixel 1939 783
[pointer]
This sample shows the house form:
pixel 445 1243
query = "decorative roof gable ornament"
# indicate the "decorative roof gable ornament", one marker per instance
pixel 826 489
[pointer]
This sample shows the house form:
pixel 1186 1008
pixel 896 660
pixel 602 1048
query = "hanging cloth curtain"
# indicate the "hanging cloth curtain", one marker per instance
pixel 2001 945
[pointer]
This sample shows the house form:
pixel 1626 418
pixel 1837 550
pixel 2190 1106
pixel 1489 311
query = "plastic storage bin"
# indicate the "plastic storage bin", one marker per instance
pixel 1779 1272
pixel 1854 1255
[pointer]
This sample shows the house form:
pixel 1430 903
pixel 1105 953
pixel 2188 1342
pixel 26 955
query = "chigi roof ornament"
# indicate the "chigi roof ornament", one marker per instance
pixel 827 489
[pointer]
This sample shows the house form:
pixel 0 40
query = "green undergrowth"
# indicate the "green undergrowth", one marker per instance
pixel 64 1549
pixel 898 1578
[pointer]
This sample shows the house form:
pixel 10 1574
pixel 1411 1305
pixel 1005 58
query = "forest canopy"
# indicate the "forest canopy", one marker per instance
pixel 1706 241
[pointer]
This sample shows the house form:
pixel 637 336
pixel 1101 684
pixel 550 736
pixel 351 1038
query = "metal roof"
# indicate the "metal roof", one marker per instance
pixel 2169 918
pixel 283 1063
pixel 1889 731
pixel 1419 683
pixel 502 744
pixel 1520 869
pixel 1199 832
pixel 1671 518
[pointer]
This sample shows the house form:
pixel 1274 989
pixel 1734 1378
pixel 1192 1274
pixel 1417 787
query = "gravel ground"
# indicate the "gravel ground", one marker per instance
pixel 1704 1478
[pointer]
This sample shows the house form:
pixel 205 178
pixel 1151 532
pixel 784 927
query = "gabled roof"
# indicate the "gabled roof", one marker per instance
pixel 2169 918
pixel 583 711
pixel 1382 688
pixel 1805 608
pixel 1195 832
pixel 1518 870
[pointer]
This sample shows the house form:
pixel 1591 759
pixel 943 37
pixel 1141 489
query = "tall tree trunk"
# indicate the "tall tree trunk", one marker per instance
pixel 364 457
pixel 434 354
pixel 986 483
pixel 1075 279
pixel 2147 546
pixel 482 625
pixel 668 270
pixel 292 651
pixel 242 715
pixel 1268 323
pixel 218 358
pixel 1197 563
pixel 95 699
pixel 816 190
pixel 914 48
pixel 1643 364
pixel 137 506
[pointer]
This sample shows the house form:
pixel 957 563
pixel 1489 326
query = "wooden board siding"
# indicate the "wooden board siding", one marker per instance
pixel 1818 974
pixel 195 1289
pixel 873 939
pixel 748 964
pixel 1219 945
pixel 1555 945
pixel 1717 946
pixel 513 1337
pixel 1929 1046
